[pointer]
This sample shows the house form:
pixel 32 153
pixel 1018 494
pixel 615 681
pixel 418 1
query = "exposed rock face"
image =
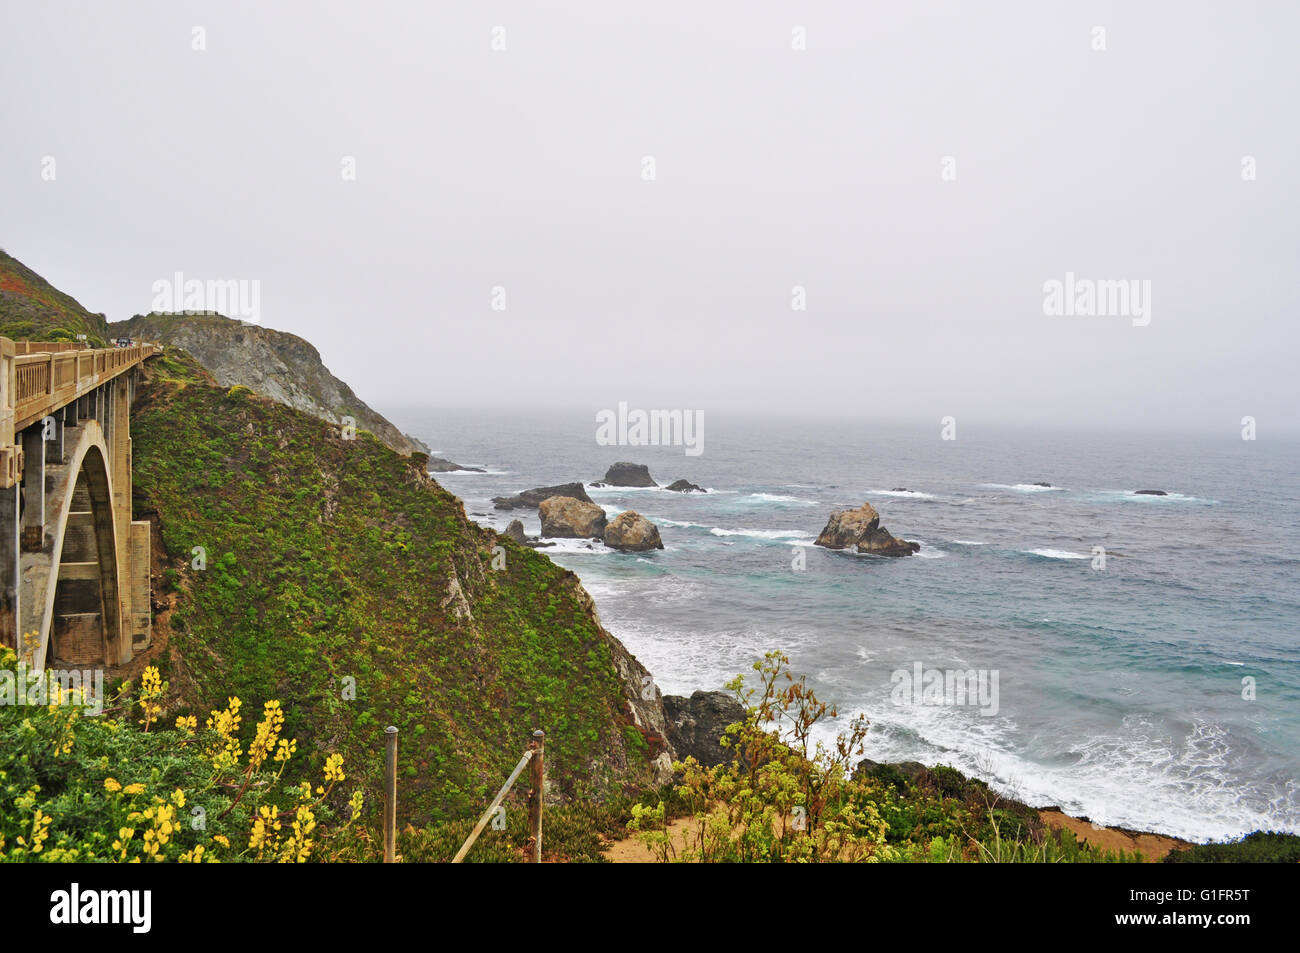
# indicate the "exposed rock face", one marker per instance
pixel 696 724
pixel 1150 493
pixel 439 465
pixel 565 517
pixel 860 529
pixel 530 499
pixel 684 486
pixel 629 474
pixel 273 363
pixel 632 532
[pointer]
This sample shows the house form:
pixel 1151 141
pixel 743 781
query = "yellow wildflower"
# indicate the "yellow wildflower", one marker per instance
pixel 334 768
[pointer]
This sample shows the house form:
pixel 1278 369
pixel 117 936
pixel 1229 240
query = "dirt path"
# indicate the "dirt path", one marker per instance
pixel 1153 846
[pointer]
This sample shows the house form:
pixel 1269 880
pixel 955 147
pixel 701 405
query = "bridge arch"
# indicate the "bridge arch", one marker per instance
pixel 71 591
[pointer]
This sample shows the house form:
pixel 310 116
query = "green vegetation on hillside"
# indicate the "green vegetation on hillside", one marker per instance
pixel 339 579
pixel 30 309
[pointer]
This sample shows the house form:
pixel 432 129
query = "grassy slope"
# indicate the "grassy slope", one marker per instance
pixel 31 309
pixel 329 559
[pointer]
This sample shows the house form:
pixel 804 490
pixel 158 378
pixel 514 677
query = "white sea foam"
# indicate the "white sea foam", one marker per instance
pixel 762 533
pixel 1135 497
pixel 968 542
pixel 584 547
pixel 1054 553
pixel 778 498
pixel 902 494
pixel 1022 487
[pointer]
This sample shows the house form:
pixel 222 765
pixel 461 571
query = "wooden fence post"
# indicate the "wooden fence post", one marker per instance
pixel 537 776
pixel 390 795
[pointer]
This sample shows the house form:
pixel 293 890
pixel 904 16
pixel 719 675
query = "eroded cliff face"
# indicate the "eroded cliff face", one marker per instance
pixel 273 363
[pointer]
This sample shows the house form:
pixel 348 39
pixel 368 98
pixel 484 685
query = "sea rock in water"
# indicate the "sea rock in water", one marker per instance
pixel 1150 493
pixel 900 489
pixel 529 499
pixel 632 532
pixel 516 532
pixel 1048 485
pixel 439 465
pixel 696 724
pixel 565 517
pixel 860 529
pixel 684 486
pixel 629 474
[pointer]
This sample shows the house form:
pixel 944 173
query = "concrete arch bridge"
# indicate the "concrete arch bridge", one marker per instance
pixel 74 566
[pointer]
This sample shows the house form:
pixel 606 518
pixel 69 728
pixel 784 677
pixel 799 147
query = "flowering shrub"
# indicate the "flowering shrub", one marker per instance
pixel 785 797
pixel 127 789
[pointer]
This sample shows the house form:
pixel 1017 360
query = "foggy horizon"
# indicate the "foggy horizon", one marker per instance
pixel 920 174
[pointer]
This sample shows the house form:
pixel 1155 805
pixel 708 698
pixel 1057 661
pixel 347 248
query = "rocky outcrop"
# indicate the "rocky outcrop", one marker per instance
pixel 696 724
pixel 632 532
pixel 439 465
pixel 530 499
pixel 684 486
pixel 860 530
pixel 628 474
pixel 516 532
pixel 272 363
pixel 1150 493
pixel 567 518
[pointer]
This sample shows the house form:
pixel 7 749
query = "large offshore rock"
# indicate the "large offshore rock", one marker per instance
pixel 567 518
pixel 632 532
pixel 860 530
pixel 529 499
pixel 628 474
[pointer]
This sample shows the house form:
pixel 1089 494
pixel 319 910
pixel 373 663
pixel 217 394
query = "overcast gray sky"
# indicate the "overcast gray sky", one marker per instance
pixel 775 167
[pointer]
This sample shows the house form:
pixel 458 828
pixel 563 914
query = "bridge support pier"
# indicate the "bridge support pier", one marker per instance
pixel 74 566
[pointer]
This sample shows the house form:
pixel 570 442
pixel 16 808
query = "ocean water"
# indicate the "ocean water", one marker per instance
pixel 1120 690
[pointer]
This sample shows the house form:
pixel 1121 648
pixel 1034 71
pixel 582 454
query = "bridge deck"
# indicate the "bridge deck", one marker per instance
pixel 51 375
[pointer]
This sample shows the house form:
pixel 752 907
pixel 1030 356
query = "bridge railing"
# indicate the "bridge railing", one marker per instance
pixel 61 369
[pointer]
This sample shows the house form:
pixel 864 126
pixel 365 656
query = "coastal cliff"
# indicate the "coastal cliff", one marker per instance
pixel 339 578
pixel 276 364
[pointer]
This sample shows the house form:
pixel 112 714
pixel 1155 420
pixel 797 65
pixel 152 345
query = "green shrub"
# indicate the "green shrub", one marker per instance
pixel 1260 847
